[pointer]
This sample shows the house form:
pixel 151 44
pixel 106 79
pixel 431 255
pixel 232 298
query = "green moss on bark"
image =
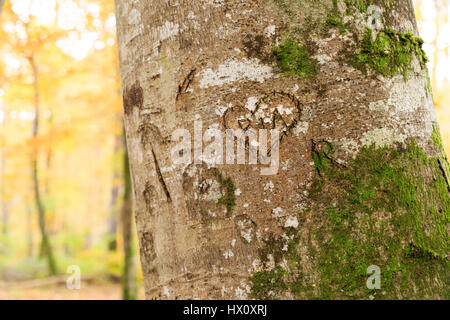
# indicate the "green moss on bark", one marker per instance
pixel 387 52
pixel 336 22
pixel 442 159
pixel 391 52
pixel 293 59
pixel 268 282
pixel 227 187
pixel 362 5
pixel 388 208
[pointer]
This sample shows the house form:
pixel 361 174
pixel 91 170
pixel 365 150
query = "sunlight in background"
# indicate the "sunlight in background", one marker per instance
pixel 69 15
pixel 434 28
pixel 433 19
pixel 73 44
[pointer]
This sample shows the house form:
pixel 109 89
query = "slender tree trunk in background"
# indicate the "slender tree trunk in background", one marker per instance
pixel 45 244
pixel 46 188
pixel 29 231
pixel 49 158
pixel 2 2
pixel 441 19
pixel 112 220
pixel 3 165
pixel 433 70
pixel 129 277
pixel 339 207
pixel 4 204
pixel 4 207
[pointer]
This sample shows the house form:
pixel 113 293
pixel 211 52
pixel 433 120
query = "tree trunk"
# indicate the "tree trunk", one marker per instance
pixel 4 204
pixel 129 277
pixel 2 2
pixel 29 230
pixel 112 220
pixel 3 164
pixel 46 248
pixel 334 78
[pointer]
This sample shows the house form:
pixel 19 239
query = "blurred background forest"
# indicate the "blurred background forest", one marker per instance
pixel 64 185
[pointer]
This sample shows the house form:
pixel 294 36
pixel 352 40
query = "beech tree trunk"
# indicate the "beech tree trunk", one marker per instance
pixel 362 182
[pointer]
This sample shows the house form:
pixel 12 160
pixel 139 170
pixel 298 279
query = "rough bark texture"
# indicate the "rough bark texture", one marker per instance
pixel 337 205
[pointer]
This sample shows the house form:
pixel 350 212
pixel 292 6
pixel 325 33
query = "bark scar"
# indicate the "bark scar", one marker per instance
pixel 186 83
pixel 444 173
pixel 133 97
pixel 160 178
pixel 322 152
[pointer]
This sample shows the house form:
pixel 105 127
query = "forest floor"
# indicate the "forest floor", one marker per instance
pixel 88 291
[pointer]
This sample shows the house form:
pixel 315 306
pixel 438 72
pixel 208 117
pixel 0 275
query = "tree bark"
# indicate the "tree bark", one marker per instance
pixel 337 205
pixel 46 248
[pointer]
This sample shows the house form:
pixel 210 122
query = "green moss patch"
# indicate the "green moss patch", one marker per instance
pixel 227 187
pixel 391 52
pixel 387 207
pixel 388 52
pixel 334 19
pixel 336 22
pixel 293 59
pixel 362 5
pixel 266 283
pixel 442 159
